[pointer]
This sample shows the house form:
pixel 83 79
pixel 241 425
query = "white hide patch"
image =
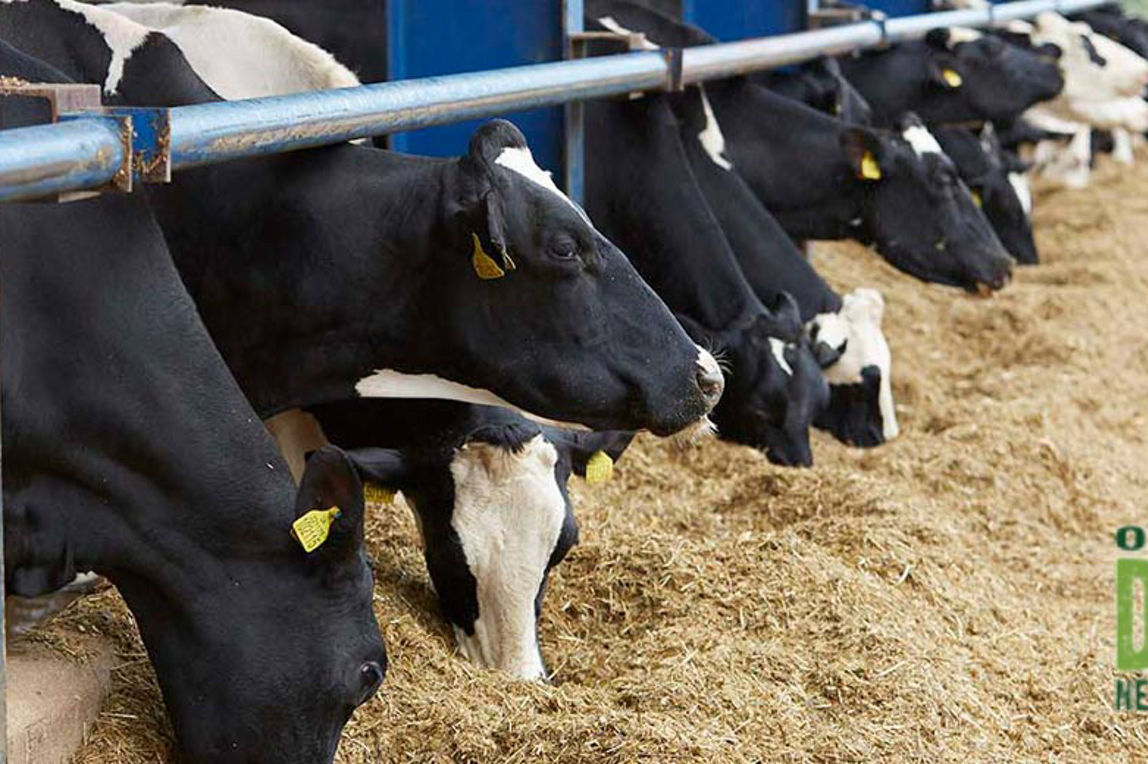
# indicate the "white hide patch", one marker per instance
pixel 706 361
pixel 711 137
pixel 121 35
pixel 922 141
pixel 858 326
pixel 240 55
pixel 508 514
pixel 642 43
pixel 522 162
pixel 388 383
pixel 777 347
pixel 1020 186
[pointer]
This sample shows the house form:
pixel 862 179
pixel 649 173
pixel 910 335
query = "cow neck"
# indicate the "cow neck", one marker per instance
pixel 791 156
pixel 661 220
pixel 166 469
pixel 307 268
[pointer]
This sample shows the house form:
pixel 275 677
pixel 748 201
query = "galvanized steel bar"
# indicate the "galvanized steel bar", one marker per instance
pixel 39 161
pixel 574 122
pixel 708 62
pixel 217 132
pixel 43 160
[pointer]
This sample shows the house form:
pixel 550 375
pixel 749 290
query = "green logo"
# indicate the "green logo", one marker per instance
pixel 1131 612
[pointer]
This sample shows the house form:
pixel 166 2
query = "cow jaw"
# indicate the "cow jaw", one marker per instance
pixel 508 515
pixel 388 383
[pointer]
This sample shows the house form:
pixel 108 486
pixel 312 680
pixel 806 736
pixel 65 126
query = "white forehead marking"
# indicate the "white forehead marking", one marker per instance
pixel 922 140
pixel 610 23
pixel 777 347
pixel 958 35
pixel 240 55
pixel 522 162
pixel 120 35
pixel 508 514
pixel 388 383
pixel 1020 185
pixel 711 136
pixel 858 324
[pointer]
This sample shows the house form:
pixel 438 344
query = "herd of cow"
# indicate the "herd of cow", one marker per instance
pixel 448 322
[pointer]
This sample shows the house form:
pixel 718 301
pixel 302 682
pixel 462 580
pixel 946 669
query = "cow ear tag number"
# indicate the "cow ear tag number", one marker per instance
pixel 870 170
pixel 599 468
pixel 483 263
pixel 952 78
pixel 312 529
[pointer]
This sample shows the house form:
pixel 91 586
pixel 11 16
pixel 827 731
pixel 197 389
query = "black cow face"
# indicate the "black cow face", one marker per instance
pixel 995 80
pixel 921 216
pixel 774 389
pixel 495 518
pixel 527 258
pixel 289 663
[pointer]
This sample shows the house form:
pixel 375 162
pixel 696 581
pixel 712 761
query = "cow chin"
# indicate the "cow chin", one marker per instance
pixel 854 415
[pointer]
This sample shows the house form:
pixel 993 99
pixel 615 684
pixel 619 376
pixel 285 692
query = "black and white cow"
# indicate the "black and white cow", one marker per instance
pixel 488 489
pixel 995 176
pixel 997 179
pixel 641 190
pixel 130 450
pixel 846 332
pixel 472 278
pixel 953 75
pixel 823 179
pixel 1112 22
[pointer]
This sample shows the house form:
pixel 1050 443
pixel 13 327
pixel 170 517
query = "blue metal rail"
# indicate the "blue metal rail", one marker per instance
pixel 89 153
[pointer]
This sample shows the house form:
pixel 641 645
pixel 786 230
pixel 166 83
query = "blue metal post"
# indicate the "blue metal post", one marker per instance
pixel 574 145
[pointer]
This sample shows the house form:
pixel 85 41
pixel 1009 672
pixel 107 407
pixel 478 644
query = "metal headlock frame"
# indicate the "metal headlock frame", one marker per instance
pixel 115 148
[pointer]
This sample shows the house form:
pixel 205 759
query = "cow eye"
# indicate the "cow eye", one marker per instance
pixel 564 249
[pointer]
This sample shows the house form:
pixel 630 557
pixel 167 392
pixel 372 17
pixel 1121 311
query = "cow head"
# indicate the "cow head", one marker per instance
pixel 857 363
pixel 919 213
pixel 774 389
pixel 270 654
pixel 551 312
pixel 495 517
pixel 977 76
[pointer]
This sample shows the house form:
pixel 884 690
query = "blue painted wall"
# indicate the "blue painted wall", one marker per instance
pixel 902 7
pixel 435 37
pixel 740 19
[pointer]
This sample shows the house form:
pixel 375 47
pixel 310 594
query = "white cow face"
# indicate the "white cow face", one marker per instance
pixel 858 365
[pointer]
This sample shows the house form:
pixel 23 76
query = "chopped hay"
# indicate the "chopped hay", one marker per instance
pixel 945 598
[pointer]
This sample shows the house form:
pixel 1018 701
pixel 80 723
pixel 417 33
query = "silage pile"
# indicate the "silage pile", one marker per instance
pixel 946 598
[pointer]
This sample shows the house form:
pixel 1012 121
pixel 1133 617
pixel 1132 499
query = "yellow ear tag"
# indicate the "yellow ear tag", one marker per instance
pixel 378 495
pixel 599 468
pixel 869 168
pixel 952 78
pixel 977 198
pixel 483 263
pixel 312 529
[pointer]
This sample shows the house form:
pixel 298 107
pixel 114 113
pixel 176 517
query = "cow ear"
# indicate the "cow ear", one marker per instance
pixel 385 466
pixel 593 454
pixel 864 151
pixel 943 73
pixel 486 145
pixel 329 506
pixel 938 38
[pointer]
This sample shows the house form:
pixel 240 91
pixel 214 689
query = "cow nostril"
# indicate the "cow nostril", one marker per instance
pixel 371 676
pixel 711 383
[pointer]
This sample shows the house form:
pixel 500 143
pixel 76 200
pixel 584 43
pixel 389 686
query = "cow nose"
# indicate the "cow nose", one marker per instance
pixel 710 381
